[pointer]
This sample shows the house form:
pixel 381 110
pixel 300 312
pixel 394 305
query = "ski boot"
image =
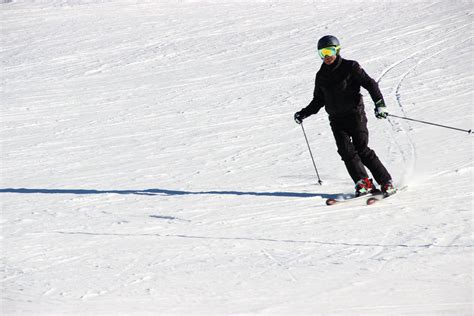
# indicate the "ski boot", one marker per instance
pixel 364 186
pixel 388 189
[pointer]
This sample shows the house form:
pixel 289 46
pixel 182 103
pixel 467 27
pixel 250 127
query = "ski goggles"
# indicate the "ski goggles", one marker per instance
pixel 328 51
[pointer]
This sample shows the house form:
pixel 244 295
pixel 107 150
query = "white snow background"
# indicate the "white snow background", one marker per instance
pixel 150 164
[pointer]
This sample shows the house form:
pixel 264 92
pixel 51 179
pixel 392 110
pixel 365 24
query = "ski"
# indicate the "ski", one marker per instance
pixel 379 197
pixel 353 198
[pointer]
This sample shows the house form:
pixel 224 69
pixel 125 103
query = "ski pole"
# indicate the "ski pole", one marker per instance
pixel 429 123
pixel 311 154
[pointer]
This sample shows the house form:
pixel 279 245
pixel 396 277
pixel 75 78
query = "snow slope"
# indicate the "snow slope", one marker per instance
pixel 150 163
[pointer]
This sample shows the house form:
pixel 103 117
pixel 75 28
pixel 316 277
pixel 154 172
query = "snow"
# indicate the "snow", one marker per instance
pixel 150 163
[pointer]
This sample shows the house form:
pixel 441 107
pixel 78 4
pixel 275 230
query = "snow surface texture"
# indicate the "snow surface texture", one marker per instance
pixel 150 163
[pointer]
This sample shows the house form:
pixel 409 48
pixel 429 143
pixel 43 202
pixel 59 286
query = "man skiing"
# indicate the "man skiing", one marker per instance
pixel 337 88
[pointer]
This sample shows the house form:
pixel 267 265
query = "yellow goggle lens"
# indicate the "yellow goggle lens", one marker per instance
pixel 328 51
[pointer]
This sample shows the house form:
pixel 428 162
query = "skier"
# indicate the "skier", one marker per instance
pixel 337 88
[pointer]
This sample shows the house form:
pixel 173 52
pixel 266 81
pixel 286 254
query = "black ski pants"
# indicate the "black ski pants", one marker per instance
pixel 352 138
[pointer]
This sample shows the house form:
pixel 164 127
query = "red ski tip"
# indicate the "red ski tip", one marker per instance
pixel 371 201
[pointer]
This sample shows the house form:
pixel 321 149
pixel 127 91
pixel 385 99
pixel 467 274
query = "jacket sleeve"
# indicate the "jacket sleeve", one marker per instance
pixel 367 82
pixel 316 104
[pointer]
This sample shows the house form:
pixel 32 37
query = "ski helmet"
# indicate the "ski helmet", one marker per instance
pixel 328 41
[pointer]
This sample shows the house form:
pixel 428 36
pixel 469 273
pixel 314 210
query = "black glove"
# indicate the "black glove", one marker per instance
pixel 299 117
pixel 380 110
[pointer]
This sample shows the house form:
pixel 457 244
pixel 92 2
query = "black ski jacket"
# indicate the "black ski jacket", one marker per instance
pixel 337 87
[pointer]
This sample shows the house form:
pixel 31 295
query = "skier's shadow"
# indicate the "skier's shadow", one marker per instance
pixel 164 192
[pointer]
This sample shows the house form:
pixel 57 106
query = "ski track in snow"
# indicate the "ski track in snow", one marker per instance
pixel 150 163
pixel 411 161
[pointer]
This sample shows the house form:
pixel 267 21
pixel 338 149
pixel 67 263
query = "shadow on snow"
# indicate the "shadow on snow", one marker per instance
pixel 163 192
